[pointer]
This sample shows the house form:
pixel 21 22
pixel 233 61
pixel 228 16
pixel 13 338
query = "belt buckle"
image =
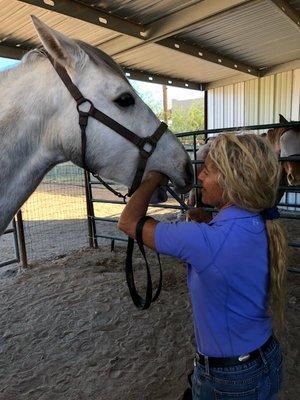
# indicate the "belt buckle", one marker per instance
pixel 245 357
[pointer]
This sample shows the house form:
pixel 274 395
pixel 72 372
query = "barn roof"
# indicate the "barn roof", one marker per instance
pixel 187 43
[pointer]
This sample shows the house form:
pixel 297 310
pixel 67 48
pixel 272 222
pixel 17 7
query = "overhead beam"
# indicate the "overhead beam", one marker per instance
pixel 17 53
pixel 14 53
pixel 288 10
pixel 203 54
pixel 89 14
pixel 161 79
pixel 177 22
pixel 185 17
pixel 160 32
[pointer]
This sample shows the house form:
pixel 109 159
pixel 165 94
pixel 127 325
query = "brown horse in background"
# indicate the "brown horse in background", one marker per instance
pixel 286 143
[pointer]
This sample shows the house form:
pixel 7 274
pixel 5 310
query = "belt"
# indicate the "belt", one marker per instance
pixel 231 361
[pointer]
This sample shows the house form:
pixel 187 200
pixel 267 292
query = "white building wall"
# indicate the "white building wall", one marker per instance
pixel 256 101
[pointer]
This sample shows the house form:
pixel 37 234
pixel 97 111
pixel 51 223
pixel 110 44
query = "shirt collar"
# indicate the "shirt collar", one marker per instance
pixel 233 212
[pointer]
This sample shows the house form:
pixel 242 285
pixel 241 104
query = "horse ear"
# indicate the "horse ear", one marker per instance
pixel 282 120
pixel 64 50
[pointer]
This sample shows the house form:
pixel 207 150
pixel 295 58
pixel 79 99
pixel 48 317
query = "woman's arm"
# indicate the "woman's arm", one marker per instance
pixel 137 208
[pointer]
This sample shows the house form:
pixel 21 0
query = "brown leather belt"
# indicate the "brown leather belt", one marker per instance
pixel 232 361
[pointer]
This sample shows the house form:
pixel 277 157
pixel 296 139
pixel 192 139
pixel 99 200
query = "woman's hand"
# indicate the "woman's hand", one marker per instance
pixel 156 177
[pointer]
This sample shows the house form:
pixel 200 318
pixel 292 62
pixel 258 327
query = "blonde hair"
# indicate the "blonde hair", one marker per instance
pixel 249 173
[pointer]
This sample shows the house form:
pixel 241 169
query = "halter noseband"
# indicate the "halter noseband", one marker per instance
pixel 138 141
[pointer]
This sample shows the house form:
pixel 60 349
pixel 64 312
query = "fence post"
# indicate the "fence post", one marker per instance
pixel 22 242
pixel 90 211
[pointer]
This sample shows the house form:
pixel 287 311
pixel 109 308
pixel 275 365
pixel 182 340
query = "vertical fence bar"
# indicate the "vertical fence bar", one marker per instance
pixel 16 241
pixel 22 242
pixel 90 211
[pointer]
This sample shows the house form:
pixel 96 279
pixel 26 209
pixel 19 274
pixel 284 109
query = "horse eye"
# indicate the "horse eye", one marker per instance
pixel 125 100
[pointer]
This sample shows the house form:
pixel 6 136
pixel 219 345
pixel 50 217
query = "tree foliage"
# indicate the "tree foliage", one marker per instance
pixel 184 119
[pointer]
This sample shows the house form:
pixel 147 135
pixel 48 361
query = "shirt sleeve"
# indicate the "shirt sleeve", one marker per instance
pixel 188 241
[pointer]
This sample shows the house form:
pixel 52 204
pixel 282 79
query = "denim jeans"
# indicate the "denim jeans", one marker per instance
pixel 258 379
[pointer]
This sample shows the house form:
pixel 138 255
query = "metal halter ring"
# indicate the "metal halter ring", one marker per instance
pixel 149 141
pixel 80 102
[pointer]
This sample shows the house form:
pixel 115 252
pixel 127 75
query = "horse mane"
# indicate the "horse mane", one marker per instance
pixel 96 55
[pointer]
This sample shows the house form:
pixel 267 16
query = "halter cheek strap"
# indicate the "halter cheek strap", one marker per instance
pixel 140 142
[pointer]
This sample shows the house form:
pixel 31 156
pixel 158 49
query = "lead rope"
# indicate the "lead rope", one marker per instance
pixel 140 302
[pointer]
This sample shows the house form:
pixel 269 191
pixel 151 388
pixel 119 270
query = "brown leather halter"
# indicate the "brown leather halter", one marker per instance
pixel 144 155
pixel 140 142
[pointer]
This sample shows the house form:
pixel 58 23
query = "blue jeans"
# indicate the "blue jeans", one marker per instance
pixel 258 379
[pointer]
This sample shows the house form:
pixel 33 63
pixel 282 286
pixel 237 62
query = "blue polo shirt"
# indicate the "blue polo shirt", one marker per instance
pixel 228 279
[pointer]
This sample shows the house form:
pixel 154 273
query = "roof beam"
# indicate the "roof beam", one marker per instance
pixel 11 52
pixel 16 53
pixel 161 79
pixel 92 15
pixel 160 32
pixel 203 54
pixel 288 10
pixel 174 24
pixel 180 20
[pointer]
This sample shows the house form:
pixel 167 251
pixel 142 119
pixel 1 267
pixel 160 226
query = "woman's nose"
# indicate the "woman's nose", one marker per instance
pixel 200 177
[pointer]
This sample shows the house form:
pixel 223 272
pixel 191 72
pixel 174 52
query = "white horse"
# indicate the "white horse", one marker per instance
pixel 39 122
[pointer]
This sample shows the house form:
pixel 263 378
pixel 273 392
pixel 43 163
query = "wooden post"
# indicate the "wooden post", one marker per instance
pixel 90 211
pixel 165 103
pixel 22 242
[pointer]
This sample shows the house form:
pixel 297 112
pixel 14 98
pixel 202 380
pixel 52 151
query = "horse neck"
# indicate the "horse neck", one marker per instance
pixel 25 155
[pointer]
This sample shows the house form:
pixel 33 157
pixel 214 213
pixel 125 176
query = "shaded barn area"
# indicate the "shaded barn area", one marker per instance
pixel 68 328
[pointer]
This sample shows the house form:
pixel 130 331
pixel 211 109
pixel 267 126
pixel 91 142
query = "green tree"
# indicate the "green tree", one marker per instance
pixel 148 97
pixel 186 119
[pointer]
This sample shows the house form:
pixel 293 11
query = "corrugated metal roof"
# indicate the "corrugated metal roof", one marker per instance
pixel 256 33
pixel 141 11
pixel 173 64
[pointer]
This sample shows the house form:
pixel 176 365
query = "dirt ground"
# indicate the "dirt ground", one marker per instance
pixel 68 330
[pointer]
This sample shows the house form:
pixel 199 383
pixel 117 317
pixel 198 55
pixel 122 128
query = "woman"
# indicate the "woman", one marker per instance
pixel 236 267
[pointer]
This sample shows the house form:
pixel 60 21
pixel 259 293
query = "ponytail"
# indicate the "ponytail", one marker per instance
pixel 278 250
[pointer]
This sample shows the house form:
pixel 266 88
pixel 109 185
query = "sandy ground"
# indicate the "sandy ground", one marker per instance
pixel 68 328
pixel 69 331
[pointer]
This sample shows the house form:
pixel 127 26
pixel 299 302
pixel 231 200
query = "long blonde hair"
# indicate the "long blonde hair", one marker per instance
pixel 249 173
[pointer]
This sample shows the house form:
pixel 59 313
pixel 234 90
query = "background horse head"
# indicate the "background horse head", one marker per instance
pixel 39 122
pixel 286 142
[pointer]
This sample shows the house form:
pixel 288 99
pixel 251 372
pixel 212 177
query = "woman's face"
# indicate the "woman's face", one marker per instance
pixel 212 193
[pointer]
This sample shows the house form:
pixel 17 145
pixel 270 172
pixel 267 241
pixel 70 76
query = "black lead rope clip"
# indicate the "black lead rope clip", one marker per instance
pixel 139 301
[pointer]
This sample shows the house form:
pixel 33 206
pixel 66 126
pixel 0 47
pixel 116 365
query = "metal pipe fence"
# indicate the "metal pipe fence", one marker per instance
pixel 189 139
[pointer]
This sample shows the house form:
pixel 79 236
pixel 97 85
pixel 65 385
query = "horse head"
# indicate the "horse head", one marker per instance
pixel 286 143
pixel 102 81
